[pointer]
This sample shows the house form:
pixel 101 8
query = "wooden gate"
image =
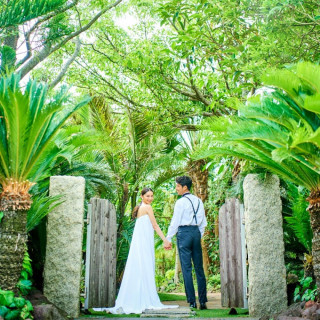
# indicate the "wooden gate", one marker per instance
pixel 232 255
pixel 100 279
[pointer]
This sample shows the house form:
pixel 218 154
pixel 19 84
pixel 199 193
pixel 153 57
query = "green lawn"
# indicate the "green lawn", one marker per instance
pixel 221 313
pixel 172 297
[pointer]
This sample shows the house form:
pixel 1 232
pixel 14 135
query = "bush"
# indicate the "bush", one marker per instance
pixel 12 307
pixel 170 274
pixel 214 281
pixel 306 290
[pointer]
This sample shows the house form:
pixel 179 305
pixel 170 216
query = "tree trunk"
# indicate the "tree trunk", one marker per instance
pixel 134 198
pixel 314 210
pixel 200 186
pixel 124 199
pixel 13 238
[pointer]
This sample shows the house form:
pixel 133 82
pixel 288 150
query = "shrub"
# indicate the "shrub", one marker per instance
pixel 12 307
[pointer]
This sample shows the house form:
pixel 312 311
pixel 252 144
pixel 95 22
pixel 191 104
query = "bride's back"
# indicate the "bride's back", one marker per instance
pixel 143 210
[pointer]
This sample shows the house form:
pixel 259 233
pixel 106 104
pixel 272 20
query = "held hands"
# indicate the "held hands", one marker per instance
pixel 167 245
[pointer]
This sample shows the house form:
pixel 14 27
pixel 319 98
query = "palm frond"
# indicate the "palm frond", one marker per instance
pixel 41 206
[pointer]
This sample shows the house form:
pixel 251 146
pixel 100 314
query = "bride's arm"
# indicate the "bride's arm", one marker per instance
pixel 155 224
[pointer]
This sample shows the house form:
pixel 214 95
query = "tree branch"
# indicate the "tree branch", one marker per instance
pixel 29 51
pixel 47 50
pixel 52 14
pixel 67 65
pixel 195 88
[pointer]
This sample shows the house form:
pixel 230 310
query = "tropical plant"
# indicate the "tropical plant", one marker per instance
pixel 306 290
pixel 29 121
pixel 25 284
pixel 279 130
pixel 12 307
pixel 299 219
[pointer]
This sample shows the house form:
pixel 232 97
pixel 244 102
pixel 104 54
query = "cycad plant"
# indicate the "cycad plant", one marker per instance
pixel 279 130
pixel 29 121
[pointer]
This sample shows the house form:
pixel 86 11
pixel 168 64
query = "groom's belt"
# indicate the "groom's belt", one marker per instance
pixel 188 226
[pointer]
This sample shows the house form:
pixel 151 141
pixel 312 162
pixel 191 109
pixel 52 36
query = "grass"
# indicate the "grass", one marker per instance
pixel 221 313
pixel 109 315
pixel 211 313
pixel 172 297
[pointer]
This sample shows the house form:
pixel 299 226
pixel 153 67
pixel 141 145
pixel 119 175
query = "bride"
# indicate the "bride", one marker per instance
pixel 138 288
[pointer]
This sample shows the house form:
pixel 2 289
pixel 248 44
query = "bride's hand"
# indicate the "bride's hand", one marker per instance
pixel 167 245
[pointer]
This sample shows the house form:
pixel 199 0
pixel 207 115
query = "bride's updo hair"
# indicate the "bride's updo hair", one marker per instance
pixel 136 208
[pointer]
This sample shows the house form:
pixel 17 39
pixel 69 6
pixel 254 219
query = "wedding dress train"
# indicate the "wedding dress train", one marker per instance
pixel 138 288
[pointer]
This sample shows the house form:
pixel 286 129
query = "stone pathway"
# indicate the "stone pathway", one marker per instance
pixel 181 312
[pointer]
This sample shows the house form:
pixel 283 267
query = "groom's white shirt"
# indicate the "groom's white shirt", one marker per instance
pixel 183 215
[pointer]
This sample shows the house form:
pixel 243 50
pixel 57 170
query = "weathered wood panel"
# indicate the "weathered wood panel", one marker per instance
pixel 101 255
pixel 230 249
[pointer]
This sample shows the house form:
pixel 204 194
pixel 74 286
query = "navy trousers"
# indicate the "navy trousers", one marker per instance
pixel 189 247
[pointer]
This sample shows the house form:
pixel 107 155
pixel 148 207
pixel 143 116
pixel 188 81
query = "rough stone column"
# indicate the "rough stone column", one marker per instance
pixel 264 236
pixel 64 244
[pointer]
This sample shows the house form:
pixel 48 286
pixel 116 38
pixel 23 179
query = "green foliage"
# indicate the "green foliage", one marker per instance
pixel 16 12
pixel 41 206
pixel 299 219
pixel 24 284
pixel 29 120
pixel 274 130
pixel 214 281
pixel 12 307
pixel 306 290
pixel 170 274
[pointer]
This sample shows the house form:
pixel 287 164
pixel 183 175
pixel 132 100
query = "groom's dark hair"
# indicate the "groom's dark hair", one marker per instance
pixel 184 181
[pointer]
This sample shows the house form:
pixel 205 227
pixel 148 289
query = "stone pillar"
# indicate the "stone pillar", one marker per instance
pixel 264 236
pixel 62 270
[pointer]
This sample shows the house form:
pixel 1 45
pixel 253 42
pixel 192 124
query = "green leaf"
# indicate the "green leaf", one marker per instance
pixel 29 305
pixel 6 298
pixel 1 215
pixel 312 103
pixel 12 315
pixel 20 302
pixel 24 274
pixel 24 286
pixel 3 311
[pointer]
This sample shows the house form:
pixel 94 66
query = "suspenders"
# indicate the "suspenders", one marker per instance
pixel 194 211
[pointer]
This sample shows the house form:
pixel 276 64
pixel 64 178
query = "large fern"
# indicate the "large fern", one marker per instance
pixel 299 220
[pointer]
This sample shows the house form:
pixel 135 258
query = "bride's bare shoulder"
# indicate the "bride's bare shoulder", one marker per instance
pixel 146 208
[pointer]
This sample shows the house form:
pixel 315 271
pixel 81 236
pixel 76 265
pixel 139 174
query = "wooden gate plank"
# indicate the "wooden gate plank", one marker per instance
pixel 230 250
pixel 103 241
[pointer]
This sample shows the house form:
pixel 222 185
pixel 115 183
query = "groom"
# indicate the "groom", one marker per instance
pixel 189 222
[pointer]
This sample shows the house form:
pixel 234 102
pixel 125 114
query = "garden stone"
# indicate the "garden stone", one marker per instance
pixel 294 310
pixel 264 236
pixel 43 312
pixel 308 312
pixel 62 270
pixel 43 309
pixel 317 315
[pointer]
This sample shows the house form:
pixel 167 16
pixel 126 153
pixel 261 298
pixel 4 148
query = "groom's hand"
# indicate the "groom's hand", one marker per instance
pixel 167 245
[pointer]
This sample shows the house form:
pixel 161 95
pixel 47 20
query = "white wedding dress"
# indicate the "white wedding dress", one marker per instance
pixel 138 288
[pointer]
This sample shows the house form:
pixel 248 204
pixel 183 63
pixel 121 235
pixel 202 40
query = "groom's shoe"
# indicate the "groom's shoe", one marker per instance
pixel 193 305
pixel 203 306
